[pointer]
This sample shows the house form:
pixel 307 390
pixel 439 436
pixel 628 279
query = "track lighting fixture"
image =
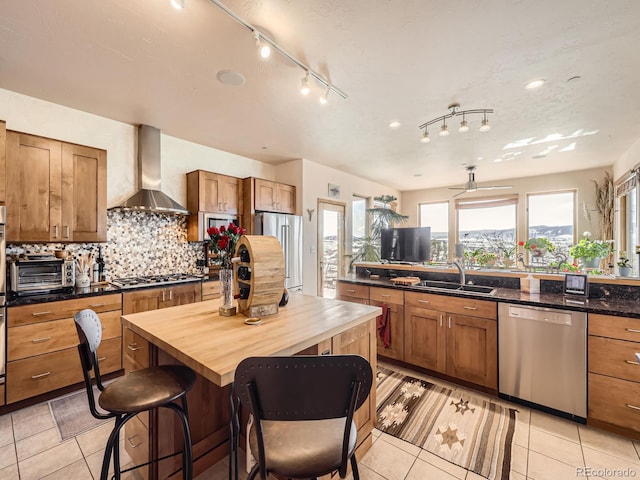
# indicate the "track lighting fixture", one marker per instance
pixel 324 99
pixel 178 4
pixel 305 89
pixel 454 111
pixel 266 44
pixel 263 48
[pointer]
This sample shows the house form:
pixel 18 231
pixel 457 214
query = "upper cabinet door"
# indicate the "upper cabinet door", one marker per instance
pixel 286 198
pixel 266 195
pixel 210 192
pixel 3 161
pixel 230 194
pixel 84 194
pixel 34 184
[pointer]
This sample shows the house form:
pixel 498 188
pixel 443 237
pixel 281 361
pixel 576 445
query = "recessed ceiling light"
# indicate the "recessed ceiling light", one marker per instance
pixel 394 124
pixel 229 77
pixel 177 4
pixel 497 160
pixel 479 158
pixel 535 84
pixel 417 174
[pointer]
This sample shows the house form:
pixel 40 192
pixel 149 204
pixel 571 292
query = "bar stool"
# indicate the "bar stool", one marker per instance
pixel 135 392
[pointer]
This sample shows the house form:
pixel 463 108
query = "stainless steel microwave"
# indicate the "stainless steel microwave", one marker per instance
pixel 41 275
pixel 207 220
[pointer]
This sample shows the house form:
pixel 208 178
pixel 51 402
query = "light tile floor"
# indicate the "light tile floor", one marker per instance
pixel 545 448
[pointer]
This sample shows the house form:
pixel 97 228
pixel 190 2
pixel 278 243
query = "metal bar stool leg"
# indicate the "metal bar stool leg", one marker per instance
pixel 109 450
pixel 354 467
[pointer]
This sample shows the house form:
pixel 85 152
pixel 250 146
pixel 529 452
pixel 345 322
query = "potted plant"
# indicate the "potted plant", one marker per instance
pixel 508 251
pixel 624 265
pixel 590 252
pixel 488 259
pixel 537 247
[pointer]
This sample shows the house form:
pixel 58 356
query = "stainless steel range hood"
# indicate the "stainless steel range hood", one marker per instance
pixel 149 197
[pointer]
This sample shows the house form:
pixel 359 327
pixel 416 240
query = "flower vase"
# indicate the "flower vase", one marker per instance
pixel 594 263
pixel 226 293
pixel 625 271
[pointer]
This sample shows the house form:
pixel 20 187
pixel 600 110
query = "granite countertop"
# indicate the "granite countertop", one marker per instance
pixel 628 307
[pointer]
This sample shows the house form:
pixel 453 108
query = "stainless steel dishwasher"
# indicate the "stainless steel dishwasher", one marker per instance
pixel 543 357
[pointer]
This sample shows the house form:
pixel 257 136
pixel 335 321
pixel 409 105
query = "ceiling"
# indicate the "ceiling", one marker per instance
pixel 142 61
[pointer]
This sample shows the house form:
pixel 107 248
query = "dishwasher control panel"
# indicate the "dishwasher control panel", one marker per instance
pixel 540 315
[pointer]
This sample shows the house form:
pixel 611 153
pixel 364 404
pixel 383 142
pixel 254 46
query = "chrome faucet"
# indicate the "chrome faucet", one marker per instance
pixel 460 270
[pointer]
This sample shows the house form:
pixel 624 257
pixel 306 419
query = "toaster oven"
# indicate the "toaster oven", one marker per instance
pixel 41 274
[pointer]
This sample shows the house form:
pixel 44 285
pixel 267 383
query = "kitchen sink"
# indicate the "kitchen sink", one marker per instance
pixel 453 286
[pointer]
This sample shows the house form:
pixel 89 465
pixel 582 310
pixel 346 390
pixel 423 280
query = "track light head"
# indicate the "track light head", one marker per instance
pixel 444 131
pixel 484 126
pixel 454 111
pixel 305 89
pixel 324 99
pixel 464 126
pixel 264 48
pixel 425 137
pixel 178 4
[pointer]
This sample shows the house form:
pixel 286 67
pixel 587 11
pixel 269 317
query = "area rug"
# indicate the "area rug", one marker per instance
pixel 72 416
pixel 468 431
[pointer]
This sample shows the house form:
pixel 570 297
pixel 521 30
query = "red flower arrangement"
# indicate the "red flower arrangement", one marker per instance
pixel 223 242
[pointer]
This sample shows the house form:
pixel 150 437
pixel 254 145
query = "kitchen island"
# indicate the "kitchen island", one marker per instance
pixel 213 345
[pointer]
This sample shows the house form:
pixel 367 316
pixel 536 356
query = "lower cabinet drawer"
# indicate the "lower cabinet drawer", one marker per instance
pixel 352 290
pixel 2 389
pixel 136 348
pixel 110 355
pixel 211 288
pixel 40 338
pixel 36 375
pixel 615 358
pixel 614 401
pixel 136 443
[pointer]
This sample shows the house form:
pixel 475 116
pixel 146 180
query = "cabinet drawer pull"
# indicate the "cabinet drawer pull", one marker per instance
pixel 102 359
pixel 631 362
pixel 40 340
pixel 632 330
pixel 424 301
pixel 66 229
pixel 131 444
pixel 449 322
pixel 326 352
pixel 441 320
pixel 37 314
pixel 55 229
pixel 163 295
pixel 42 375
pixel 351 291
pixel 466 307
pixel 134 347
pixel 385 295
pixel 96 305
pixel 170 294
pixel 632 406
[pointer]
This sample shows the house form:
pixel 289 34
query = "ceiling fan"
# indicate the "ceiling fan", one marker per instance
pixel 472 185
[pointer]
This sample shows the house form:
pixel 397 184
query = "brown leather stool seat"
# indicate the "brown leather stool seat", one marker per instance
pixel 145 389
pixel 303 409
pixel 138 391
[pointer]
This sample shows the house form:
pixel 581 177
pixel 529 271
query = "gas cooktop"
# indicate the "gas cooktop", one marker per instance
pixel 150 280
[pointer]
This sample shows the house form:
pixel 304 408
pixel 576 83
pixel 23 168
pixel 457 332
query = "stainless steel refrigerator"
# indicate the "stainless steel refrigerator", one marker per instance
pixel 288 230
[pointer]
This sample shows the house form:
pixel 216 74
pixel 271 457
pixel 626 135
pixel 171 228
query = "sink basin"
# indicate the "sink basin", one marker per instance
pixel 452 286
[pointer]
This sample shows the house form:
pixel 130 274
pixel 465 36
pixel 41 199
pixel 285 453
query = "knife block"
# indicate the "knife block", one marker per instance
pixel 260 259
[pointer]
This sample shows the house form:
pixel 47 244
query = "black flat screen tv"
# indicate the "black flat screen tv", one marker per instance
pixel 411 245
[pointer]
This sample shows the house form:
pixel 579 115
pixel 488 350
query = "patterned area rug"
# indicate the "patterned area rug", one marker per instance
pixel 72 415
pixel 468 431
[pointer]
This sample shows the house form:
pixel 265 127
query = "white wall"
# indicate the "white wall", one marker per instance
pixel 580 180
pixel 315 178
pixel 38 117
pixel 626 162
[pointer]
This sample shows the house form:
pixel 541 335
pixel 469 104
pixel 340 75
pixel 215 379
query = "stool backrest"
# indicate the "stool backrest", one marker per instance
pixel 89 330
pixel 304 387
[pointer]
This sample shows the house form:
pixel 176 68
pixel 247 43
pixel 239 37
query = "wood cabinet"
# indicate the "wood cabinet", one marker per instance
pixel 42 344
pixel 156 298
pixel 3 181
pixel 394 299
pixel 613 377
pixel 350 292
pixel 55 191
pixel 137 354
pixel 274 197
pixel 453 335
pixel 210 290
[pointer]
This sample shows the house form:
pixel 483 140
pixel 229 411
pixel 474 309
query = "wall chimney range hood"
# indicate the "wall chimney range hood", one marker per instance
pixel 149 197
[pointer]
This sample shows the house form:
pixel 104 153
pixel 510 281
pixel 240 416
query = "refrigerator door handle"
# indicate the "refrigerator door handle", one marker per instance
pixel 286 248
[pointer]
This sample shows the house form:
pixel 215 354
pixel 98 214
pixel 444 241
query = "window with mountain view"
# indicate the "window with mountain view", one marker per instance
pixel 358 222
pixel 436 216
pixel 552 216
pixel 481 244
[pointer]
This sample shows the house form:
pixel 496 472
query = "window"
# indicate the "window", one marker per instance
pixel 627 206
pixel 436 216
pixel 358 222
pixel 487 230
pixel 552 216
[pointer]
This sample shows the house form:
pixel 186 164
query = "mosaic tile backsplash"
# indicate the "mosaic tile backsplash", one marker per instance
pixel 138 243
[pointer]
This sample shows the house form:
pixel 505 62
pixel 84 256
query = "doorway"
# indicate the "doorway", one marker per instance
pixel 330 246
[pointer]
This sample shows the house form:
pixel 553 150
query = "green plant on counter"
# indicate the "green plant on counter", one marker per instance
pixel 472 257
pixel 624 262
pixel 590 249
pixel 487 258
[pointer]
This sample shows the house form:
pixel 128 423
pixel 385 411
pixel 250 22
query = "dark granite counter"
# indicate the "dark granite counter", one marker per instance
pixel 607 303
pixel 13 300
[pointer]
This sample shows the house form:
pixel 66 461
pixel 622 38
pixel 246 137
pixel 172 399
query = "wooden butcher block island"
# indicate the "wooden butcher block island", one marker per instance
pixel 213 345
